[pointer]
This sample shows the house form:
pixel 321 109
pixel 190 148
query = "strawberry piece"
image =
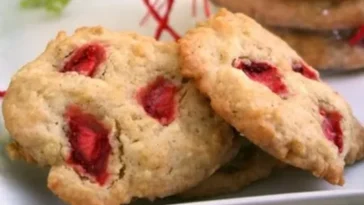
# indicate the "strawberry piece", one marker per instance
pixel 2 93
pixel 89 142
pixel 262 73
pixel 358 37
pixel 332 128
pixel 85 60
pixel 158 100
pixel 305 71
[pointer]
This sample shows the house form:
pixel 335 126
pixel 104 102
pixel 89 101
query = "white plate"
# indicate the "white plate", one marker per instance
pixel 24 34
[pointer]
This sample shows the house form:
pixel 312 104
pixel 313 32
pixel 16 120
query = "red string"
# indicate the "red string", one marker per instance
pixel 194 8
pixel 206 7
pixel 147 15
pixel 2 93
pixel 163 22
pixel 358 37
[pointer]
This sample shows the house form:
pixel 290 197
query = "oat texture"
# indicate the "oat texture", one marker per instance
pixel 148 159
pixel 252 80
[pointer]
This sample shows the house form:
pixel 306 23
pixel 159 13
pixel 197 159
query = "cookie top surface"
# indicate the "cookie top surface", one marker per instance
pixel 324 50
pixel 258 84
pixel 112 116
pixel 317 15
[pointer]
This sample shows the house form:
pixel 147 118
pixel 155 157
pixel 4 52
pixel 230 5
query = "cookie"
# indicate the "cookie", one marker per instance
pixel 356 144
pixel 250 165
pixel 326 49
pixel 16 152
pixel 111 115
pixel 317 15
pixel 264 89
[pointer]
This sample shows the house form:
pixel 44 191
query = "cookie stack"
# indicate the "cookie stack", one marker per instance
pixel 328 34
pixel 119 116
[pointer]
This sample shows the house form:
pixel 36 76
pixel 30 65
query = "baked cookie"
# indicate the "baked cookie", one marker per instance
pixel 356 144
pixel 317 15
pixel 250 165
pixel 325 50
pixel 112 116
pixel 258 84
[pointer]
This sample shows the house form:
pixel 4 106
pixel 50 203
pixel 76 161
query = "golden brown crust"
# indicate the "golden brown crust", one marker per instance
pixel 67 185
pixel 323 50
pixel 289 128
pixel 147 159
pixel 356 151
pixel 316 15
pixel 16 152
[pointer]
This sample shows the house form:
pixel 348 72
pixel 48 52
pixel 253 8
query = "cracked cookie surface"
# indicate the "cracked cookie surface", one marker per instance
pixel 111 115
pixel 258 84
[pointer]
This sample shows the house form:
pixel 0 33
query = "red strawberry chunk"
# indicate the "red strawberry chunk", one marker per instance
pixel 85 60
pixel 87 143
pixel 263 73
pixel 90 146
pixel 305 70
pixel 2 93
pixel 158 100
pixel 332 128
pixel 358 37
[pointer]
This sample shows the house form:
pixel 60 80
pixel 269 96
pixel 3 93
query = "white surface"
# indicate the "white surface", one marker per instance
pixel 24 34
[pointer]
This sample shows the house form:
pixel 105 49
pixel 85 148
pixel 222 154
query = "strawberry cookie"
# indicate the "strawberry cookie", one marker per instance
pixel 337 49
pixel 251 164
pixel 113 118
pixel 258 84
pixel 315 15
